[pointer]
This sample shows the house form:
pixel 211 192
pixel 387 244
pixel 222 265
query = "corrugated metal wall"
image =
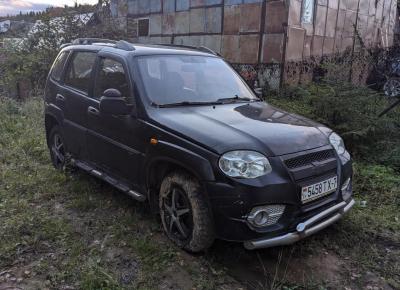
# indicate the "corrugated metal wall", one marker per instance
pixel 234 28
pixel 259 35
pixel 333 28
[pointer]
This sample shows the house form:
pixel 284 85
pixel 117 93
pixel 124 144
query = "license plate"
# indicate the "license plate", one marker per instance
pixel 320 189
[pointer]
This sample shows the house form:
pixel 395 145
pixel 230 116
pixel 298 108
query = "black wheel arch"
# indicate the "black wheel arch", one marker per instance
pixel 50 121
pixel 160 167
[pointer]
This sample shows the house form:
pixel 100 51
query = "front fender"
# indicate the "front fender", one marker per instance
pixel 168 152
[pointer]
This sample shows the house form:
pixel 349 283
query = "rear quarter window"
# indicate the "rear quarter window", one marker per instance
pixel 58 66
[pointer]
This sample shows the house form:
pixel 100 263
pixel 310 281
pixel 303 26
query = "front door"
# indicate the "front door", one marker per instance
pixel 111 140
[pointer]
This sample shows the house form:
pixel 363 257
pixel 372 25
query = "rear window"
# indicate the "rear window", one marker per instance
pixel 80 70
pixel 58 66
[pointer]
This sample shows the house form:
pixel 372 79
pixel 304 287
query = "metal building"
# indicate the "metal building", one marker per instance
pixel 259 35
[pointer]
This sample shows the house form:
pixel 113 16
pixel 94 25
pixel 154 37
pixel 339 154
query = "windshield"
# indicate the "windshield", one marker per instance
pixel 174 79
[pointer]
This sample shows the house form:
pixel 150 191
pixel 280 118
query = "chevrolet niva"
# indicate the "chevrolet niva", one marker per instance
pixel 179 128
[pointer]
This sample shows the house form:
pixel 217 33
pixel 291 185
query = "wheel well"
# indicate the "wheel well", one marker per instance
pixel 156 175
pixel 49 122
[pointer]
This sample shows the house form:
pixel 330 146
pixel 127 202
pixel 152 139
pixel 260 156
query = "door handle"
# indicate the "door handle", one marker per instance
pixel 93 111
pixel 60 98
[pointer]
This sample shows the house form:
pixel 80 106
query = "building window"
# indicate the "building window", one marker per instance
pixel 143 27
pixel 307 13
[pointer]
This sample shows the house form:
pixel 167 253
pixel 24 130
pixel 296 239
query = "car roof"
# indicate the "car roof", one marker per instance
pixel 140 49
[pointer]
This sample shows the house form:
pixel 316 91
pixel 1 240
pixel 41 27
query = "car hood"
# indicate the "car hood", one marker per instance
pixel 252 126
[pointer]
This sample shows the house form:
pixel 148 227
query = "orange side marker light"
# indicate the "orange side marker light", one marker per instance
pixel 153 141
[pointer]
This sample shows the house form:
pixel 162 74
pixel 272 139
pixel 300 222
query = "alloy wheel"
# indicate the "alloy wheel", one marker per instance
pixel 177 214
pixel 392 88
pixel 58 151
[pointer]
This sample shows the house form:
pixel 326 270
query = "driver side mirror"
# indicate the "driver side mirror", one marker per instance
pixel 112 103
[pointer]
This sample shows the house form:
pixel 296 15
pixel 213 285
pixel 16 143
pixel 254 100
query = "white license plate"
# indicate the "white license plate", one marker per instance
pixel 320 189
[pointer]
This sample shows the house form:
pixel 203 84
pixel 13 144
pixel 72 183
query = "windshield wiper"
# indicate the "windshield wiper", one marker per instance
pixel 186 103
pixel 236 98
pixel 221 101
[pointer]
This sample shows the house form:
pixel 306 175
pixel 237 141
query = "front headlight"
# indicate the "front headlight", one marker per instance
pixel 244 164
pixel 337 143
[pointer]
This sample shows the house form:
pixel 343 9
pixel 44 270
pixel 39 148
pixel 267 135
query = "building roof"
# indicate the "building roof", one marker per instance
pixel 5 26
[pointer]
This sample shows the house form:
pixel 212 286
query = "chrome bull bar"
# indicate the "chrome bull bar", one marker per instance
pixel 304 229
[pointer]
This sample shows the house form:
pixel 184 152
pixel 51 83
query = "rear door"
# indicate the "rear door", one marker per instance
pixel 78 86
pixel 113 140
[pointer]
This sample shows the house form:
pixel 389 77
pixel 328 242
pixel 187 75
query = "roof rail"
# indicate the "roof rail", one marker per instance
pixel 121 44
pixel 200 48
pixel 89 41
pixel 207 49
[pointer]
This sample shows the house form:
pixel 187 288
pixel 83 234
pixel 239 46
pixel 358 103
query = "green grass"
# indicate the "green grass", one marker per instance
pixel 69 229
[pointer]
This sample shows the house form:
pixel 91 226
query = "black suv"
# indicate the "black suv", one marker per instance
pixel 179 128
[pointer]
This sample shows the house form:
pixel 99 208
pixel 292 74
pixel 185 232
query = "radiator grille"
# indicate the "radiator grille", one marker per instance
pixel 307 159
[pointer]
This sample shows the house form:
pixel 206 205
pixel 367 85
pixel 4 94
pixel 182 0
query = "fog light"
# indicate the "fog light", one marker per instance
pixel 265 215
pixel 346 189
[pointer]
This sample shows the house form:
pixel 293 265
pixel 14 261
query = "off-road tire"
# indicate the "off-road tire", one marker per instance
pixel 202 233
pixel 52 135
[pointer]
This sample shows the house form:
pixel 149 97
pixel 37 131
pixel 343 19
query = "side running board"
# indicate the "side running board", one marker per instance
pixel 114 182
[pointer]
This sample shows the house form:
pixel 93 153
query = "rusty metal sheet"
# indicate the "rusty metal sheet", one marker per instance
pixel 276 17
pixel 295 43
pixel 320 20
pixel 213 42
pixel 317 46
pixel 307 46
pixel 143 6
pixel 329 43
pixel 155 24
pixel 362 25
pixel 231 19
pixel 340 22
pixel 197 20
pixel 249 48
pixel 272 51
pixel 168 6
pixel 182 40
pixel 182 5
pixel 334 4
pixel 132 7
pixel 168 23
pixel 197 3
pixel 364 7
pixel 155 6
pixel 347 42
pixel 349 23
pixel 294 13
pixel 250 17
pixel 213 20
pixel 230 48
pixel 338 44
pixel 182 22
pixel 331 22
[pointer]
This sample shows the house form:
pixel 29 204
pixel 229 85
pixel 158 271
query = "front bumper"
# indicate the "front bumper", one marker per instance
pixel 304 229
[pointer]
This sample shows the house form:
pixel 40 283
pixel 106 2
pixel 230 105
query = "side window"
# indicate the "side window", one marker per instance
pixel 111 76
pixel 307 13
pixel 80 71
pixel 58 66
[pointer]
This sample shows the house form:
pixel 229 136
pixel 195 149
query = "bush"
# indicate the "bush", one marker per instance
pixel 353 113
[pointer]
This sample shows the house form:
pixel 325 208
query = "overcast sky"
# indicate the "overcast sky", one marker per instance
pixel 15 6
